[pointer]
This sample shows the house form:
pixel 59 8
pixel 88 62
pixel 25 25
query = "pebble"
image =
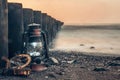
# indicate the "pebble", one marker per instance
pixel 118 70
pixel 99 69
pixel 81 44
pixel 92 47
pixel 118 58
pixel 46 77
pixel 113 64
pixel 55 61
pixel 61 73
pixel 70 62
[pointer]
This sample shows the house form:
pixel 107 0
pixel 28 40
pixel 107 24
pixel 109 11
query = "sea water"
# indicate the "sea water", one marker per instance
pixel 89 40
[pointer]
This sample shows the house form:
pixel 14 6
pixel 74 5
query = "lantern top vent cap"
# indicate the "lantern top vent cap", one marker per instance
pixel 33 24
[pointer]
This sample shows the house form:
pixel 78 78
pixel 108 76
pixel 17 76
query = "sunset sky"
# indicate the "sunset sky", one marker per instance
pixel 77 11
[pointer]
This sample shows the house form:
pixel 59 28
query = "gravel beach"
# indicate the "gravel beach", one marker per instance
pixel 77 66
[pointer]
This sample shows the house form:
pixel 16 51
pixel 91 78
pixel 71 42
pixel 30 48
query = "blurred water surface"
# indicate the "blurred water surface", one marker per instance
pixel 89 40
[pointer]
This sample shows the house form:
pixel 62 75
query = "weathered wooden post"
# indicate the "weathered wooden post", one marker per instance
pixel 54 28
pixel 37 17
pixel 3 28
pixel 28 17
pixel 59 24
pixel 45 25
pixel 49 30
pixel 62 23
pixel 15 27
pixel 52 32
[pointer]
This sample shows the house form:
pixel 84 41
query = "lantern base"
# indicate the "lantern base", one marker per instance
pixel 38 67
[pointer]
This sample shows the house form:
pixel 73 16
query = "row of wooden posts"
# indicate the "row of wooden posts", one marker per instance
pixel 13 22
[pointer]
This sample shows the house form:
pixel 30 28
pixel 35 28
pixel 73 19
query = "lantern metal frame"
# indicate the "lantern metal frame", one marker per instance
pixel 44 43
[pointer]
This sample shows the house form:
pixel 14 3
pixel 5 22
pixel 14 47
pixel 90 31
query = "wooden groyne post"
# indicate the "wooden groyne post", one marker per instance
pixel 28 17
pixel 15 27
pixel 49 29
pixel 45 25
pixel 37 17
pixel 3 28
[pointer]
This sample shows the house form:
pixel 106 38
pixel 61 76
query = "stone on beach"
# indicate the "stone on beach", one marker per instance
pixel 99 69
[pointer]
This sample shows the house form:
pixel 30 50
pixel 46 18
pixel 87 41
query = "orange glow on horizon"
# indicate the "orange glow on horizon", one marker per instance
pixel 78 11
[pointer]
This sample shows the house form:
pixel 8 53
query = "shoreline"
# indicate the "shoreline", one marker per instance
pixel 102 27
pixel 87 53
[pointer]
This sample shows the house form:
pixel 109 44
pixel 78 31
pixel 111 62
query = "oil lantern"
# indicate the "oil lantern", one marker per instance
pixel 35 43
